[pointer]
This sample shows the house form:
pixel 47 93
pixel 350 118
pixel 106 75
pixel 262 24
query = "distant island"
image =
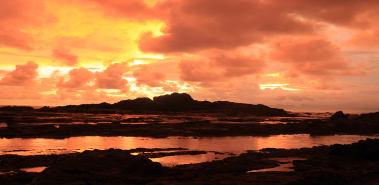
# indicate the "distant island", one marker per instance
pixel 175 102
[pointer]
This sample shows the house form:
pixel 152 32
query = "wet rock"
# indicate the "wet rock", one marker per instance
pixel 141 164
pixel 16 108
pixel 101 167
pixel 321 177
pixel 368 149
pixel 47 109
pixel 11 122
pixel 338 116
pixel 116 122
pixel 17 178
pixel 370 117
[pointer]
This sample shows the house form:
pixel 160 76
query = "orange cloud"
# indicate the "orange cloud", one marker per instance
pixel 111 77
pixel 22 93
pixel 366 38
pixel 79 77
pixel 24 13
pixel 194 25
pixel 16 39
pixel 145 76
pixel 349 13
pixel 220 67
pixel 23 75
pixel 131 9
pixel 18 15
pixel 314 58
pixel 90 42
pixel 64 56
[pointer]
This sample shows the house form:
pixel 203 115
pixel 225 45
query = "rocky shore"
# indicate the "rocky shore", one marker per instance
pixel 180 115
pixel 30 124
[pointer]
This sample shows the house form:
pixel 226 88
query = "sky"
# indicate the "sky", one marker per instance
pixel 314 55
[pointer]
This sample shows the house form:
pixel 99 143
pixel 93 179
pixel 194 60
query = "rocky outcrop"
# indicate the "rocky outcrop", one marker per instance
pixel 368 149
pixel 369 117
pixel 16 108
pixel 139 104
pixel 339 115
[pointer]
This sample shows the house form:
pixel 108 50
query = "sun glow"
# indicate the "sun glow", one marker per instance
pixel 273 74
pixel 52 92
pixel 137 62
pixel 274 86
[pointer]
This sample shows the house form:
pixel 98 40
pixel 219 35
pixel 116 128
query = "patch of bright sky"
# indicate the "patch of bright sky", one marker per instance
pixel 52 92
pixel 94 39
pixel 273 86
pixel 273 74
pixel 46 71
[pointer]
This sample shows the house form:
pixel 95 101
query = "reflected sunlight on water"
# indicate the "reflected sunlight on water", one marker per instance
pixel 236 145
pixel 34 169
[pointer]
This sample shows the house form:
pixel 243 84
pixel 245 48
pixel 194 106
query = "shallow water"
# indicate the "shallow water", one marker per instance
pixel 236 145
pixel 34 169
pixel 286 166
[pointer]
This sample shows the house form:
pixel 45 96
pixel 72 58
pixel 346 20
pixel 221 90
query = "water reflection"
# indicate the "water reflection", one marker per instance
pixel 188 159
pixel 285 166
pixel 34 169
pixel 236 145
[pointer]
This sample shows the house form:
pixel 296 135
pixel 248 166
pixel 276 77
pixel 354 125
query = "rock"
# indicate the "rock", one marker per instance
pixel 177 101
pixel 139 104
pixel 321 177
pixel 368 149
pixel 369 117
pixel 101 167
pixel 47 109
pixel 171 102
pixel 174 99
pixel 338 116
pixel 16 108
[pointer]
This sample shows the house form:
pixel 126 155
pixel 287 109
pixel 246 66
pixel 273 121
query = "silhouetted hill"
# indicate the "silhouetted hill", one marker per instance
pixel 174 102
pixel 16 108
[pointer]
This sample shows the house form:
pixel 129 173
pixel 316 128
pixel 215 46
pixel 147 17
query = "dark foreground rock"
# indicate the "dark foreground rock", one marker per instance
pixel 339 115
pixel 374 117
pixel 101 167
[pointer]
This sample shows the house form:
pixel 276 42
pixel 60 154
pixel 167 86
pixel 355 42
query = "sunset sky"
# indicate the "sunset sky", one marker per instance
pixel 300 55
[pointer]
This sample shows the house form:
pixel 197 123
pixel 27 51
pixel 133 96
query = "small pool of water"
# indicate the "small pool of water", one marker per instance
pixel 34 169
pixel 286 166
